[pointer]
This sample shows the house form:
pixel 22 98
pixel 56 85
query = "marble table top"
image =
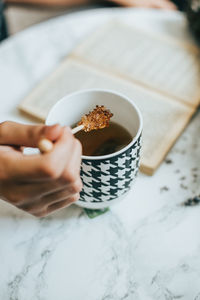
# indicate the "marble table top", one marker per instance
pixel 147 247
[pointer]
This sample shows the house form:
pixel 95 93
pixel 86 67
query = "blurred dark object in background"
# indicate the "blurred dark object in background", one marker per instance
pixel 3 28
pixel 181 4
pixel 193 14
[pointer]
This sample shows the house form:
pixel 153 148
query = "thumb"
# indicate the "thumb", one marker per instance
pixel 12 133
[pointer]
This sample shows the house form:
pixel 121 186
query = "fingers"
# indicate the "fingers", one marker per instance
pixel 64 193
pixel 47 166
pixel 43 192
pixel 12 133
pixel 36 196
pixel 49 204
pixel 39 210
pixel 56 206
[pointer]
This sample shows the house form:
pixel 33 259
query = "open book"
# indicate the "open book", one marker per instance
pixel 160 75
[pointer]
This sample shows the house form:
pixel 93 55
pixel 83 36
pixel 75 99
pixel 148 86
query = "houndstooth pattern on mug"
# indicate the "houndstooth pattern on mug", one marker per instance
pixel 108 179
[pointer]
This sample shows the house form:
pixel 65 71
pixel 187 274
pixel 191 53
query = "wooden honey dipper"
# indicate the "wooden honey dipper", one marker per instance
pixel 98 118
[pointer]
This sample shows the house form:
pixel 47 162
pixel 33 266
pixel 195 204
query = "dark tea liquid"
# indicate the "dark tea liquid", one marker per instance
pixel 104 141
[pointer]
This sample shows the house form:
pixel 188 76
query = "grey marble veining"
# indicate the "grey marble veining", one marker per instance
pixel 146 247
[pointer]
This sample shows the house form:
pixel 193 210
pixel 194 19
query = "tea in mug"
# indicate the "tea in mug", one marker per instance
pixel 104 141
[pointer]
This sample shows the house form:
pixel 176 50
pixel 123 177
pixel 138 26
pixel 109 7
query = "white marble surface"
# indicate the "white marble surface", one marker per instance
pixel 148 246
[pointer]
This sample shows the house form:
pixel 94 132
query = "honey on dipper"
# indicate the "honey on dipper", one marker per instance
pixel 99 118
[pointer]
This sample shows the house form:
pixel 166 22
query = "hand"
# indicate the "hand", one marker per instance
pixel 39 184
pixel 162 4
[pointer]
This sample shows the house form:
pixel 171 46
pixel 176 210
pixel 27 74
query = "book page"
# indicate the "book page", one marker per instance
pixel 164 65
pixel 164 119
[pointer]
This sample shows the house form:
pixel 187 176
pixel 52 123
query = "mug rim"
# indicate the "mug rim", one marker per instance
pixel 109 91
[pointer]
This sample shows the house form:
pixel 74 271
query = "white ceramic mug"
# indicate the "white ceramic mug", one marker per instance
pixel 105 178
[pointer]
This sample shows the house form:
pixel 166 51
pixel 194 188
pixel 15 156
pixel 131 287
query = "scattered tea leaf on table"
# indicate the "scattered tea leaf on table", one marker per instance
pixel 93 213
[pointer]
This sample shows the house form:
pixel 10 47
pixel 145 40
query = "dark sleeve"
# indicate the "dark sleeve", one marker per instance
pixel 3 28
pixel 181 4
pixel 193 15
